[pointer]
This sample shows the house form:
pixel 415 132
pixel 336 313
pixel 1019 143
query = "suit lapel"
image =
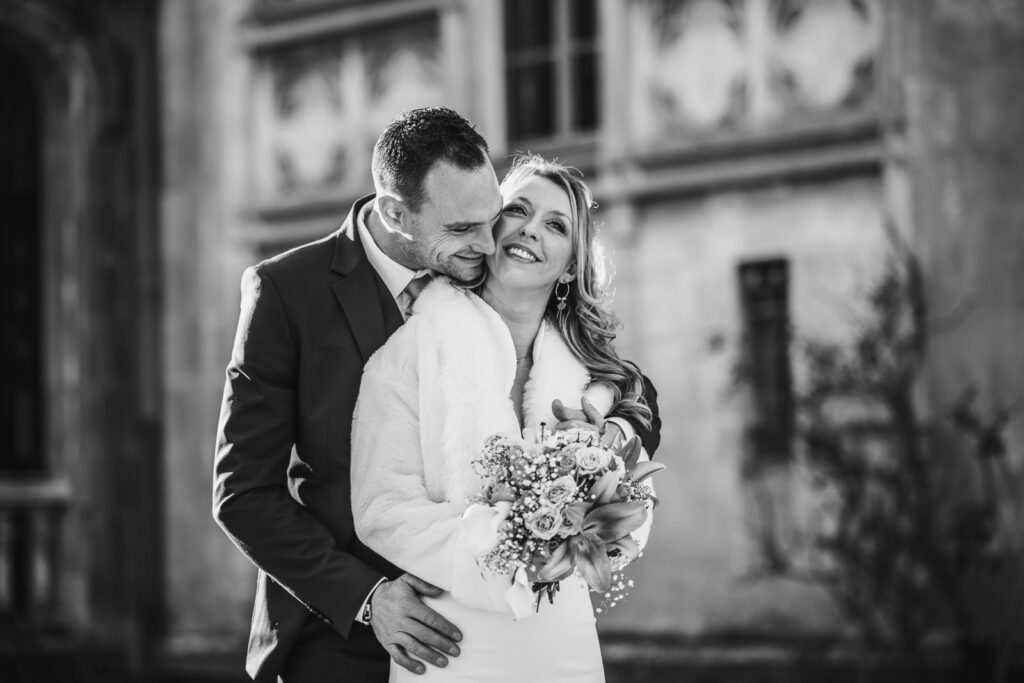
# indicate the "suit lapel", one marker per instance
pixel 360 292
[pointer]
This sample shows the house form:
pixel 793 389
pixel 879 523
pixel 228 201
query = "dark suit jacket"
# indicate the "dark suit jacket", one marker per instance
pixel 310 318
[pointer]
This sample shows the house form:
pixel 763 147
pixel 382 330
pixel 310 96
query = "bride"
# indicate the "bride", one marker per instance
pixel 469 364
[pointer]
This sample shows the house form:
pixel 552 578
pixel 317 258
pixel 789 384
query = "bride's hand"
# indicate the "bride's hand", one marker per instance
pixel 587 419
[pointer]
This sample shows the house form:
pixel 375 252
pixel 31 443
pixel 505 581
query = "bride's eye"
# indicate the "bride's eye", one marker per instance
pixel 557 225
pixel 516 209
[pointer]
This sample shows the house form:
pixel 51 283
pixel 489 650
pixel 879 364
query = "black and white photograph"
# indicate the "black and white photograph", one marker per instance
pixel 487 341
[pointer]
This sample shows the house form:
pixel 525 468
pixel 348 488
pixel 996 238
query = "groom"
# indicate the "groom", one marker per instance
pixel 328 608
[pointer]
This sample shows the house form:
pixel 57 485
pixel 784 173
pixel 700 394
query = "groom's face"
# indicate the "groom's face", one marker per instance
pixel 453 230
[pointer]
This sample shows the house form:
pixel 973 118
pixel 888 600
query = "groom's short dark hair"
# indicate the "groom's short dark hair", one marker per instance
pixel 415 141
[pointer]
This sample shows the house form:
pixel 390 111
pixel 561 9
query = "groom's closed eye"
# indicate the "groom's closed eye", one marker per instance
pixel 462 227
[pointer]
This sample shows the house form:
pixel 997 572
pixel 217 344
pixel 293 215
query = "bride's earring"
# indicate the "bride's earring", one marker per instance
pixel 562 297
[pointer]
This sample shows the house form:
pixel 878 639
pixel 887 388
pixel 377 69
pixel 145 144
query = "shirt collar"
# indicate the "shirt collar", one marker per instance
pixel 396 277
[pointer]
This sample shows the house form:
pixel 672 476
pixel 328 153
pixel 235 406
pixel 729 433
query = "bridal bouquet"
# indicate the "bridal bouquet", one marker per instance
pixel 557 504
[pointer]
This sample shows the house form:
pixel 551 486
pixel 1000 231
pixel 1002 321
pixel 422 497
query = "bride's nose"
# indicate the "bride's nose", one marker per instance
pixel 528 230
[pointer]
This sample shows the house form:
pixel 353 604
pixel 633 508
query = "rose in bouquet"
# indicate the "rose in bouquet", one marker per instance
pixel 561 503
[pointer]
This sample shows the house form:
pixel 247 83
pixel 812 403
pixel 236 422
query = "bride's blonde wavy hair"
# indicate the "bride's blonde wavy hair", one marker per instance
pixel 585 322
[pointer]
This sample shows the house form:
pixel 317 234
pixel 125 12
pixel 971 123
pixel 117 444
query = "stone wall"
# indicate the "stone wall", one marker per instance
pixel 965 95
pixel 703 573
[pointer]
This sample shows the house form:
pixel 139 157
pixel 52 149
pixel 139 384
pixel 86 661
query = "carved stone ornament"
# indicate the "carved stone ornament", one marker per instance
pixel 824 53
pixel 320 106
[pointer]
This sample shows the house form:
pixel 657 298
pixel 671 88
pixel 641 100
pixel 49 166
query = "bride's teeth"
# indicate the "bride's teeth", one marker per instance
pixel 521 253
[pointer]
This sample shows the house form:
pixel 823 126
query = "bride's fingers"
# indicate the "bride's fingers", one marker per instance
pixel 594 416
pixel 563 412
pixel 588 415
pixel 611 434
pixel 575 424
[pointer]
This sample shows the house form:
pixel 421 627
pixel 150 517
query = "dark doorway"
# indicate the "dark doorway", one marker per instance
pixel 21 149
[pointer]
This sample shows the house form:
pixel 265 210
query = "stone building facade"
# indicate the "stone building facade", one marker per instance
pixel 751 158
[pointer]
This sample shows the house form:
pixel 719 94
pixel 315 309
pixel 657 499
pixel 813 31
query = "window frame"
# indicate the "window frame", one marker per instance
pixel 561 54
pixel 765 310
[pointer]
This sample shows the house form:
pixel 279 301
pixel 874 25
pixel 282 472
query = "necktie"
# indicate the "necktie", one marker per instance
pixel 412 290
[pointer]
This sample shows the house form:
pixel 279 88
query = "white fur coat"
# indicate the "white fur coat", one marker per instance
pixel 428 399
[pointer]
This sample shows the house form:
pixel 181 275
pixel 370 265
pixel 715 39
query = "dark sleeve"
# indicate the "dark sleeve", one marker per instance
pixel 256 432
pixel 650 437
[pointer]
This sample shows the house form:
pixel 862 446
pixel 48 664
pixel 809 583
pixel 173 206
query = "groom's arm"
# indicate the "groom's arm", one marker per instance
pixel 253 506
pixel 256 433
pixel 650 437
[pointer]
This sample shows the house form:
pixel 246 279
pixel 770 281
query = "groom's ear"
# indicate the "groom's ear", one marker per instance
pixel 392 210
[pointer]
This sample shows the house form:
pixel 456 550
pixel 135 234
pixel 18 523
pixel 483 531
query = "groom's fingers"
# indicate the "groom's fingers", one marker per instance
pixel 409 605
pixel 421 586
pixel 403 659
pixel 440 632
pixel 432 641
pixel 415 648
pixel 407 628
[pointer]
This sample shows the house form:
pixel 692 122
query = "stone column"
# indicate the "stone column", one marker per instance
pixel 208 585
pixel 964 95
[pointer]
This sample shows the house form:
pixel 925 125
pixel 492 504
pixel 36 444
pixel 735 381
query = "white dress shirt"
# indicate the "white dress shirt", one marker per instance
pixel 396 277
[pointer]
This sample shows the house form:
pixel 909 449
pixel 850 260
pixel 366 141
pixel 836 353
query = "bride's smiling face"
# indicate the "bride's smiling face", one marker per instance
pixel 533 237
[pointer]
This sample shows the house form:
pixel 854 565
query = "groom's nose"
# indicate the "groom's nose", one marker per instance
pixel 484 240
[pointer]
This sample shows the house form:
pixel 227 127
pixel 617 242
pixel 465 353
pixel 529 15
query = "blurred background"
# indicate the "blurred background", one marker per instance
pixel 816 214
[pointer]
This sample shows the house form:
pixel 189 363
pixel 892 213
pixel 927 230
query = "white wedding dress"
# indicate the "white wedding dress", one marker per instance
pixel 558 643
pixel 428 400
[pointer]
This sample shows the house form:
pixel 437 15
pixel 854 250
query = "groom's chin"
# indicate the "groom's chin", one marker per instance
pixel 468 276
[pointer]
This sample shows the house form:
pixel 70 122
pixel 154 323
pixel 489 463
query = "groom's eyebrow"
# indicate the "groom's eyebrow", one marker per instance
pixel 462 225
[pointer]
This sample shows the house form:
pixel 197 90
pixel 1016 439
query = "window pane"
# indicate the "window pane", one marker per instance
pixel 764 288
pixel 585 95
pixel 583 18
pixel 531 101
pixel 21 158
pixel 528 24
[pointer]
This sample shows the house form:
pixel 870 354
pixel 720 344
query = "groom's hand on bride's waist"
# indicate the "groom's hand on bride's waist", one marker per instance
pixel 588 418
pixel 409 630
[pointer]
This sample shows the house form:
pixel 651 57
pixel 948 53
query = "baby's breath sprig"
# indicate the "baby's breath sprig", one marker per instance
pixel 621 585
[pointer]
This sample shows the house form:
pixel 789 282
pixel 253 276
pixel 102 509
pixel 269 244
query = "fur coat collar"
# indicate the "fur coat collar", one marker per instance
pixel 466 356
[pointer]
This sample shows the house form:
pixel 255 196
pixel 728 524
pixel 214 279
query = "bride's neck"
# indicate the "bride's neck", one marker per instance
pixel 522 311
